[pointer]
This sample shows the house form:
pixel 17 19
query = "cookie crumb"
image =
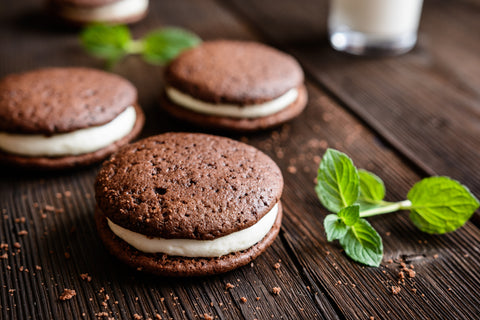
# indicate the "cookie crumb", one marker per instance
pixel 4 256
pixel 20 220
pixel 49 208
pixel 435 256
pixel 67 294
pixel 243 299
pixel 257 298
pixel 396 289
pixel 413 290
pixel 17 245
pixel 206 316
pixel 38 268
pixel 67 194
pixel 292 169
pixel 158 316
pixel 276 290
pixel 85 276
pixel 411 273
pixel 136 316
pixel 22 232
pixel 229 286
pixel 276 266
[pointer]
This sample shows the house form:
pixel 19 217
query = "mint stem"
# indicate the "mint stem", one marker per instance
pixel 134 47
pixel 390 207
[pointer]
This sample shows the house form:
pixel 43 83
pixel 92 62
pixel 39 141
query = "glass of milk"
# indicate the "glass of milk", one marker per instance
pixel 374 27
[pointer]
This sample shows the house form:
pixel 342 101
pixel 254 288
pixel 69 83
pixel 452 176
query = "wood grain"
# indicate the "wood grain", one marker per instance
pixel 316 278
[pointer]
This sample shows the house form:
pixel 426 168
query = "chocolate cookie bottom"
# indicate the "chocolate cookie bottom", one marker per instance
pixel 164 265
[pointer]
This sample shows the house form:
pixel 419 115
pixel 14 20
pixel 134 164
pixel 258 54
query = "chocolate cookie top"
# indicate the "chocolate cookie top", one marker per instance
pixel 57 100
pixel 186 185
pixel 235 72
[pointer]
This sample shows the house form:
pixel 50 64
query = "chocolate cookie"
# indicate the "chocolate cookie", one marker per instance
pixel 104 11
pixel 187 204
pixel 235 85
pixel 62 117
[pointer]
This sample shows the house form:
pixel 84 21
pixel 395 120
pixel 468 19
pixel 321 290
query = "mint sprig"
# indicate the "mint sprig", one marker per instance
pixel 437 205
pixel 114 42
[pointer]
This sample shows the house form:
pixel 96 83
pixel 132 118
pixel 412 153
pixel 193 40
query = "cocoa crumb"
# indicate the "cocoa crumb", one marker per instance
pixel 396 290
pixel 22 232
pixel 243 299
pixel 20 220
pixel 276 290
pixel 85 276
pixel 229 286
pixel 67 294
pixel 292 169
pixel 67 255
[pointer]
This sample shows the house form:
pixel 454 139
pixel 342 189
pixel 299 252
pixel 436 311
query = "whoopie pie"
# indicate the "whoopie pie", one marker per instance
pixel 234 85
pixel 102 11
pixel 187 204
pixel 57 118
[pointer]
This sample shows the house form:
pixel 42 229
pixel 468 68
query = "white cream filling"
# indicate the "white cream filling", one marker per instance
pixel 231 110
pixel 112 11
pixel 71 143
pixel 233 242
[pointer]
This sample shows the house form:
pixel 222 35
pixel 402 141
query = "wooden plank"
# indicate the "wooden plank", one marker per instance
pixel 425 103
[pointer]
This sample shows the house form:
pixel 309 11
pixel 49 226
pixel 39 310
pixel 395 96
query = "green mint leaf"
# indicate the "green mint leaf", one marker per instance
pixel 106 42
pixel 334 227
pixel 337 178
pixel 363 244
pixel 441 205
pixel 350 214
pixel 371 186
pixel 161 46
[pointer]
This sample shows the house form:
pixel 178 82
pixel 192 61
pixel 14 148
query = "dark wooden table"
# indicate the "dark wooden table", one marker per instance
pixel 403 118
